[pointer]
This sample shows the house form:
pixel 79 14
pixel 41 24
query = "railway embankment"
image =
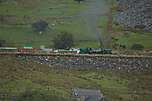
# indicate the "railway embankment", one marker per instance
pixel 129 63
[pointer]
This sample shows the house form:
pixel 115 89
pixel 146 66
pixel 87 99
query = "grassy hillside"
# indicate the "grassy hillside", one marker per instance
pixel 62 16
pixel 18 16
pixel 24 80
pixel 144 39
pixel 128 36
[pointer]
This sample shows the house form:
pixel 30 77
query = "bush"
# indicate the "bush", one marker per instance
pixel 1 1
pixel 63 41
pixel 79 1
pixel 40 26
pixel 2 43
pixel 137 47
pixel 122 46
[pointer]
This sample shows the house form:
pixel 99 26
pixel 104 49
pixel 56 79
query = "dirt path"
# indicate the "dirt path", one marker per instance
pixel 95 10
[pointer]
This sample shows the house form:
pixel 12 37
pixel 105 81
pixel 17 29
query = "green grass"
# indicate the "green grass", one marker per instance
pixel 22 35
pixel 144 39
pixel 102 22
pixel 131 36
pixel 76 27
pixel 17 30
pixel 39 8
pixel 127 38
pixel 54 12
pixel 82 44
pixel 22 77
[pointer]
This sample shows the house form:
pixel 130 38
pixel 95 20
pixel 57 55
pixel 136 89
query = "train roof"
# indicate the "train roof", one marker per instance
pixel 11 48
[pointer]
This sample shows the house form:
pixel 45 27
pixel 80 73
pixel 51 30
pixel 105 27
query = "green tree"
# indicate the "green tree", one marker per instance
pixel 2 43
pixel 79 1
pixel 1 1
pixel 63 41
pixel 40 26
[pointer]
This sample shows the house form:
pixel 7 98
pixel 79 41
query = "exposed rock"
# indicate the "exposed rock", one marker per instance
pixel 135 14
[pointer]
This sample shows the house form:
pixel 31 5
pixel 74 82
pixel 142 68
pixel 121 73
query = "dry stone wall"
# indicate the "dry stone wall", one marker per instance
pixel 107 62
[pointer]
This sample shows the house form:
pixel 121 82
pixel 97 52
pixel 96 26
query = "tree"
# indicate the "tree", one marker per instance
pixel 1 1
pixel 2 43
pixel 40 26
pixel 79 1
pixel 63 41
pixel 2 18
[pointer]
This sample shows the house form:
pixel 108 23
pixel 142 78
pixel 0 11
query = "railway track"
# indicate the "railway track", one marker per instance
pixel 72 55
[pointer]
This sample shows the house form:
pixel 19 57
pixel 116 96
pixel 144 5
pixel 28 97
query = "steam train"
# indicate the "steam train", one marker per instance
pixel 32 50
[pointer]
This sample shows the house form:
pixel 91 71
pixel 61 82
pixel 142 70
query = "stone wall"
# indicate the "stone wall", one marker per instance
pixel 110 62
pixel 135 14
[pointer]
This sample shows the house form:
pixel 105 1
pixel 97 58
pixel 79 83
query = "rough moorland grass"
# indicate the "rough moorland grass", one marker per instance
pixel 22 78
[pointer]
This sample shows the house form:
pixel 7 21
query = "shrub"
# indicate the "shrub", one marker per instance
pixel 63 41
pixel 1 1
pixel 79 1
pixel 2 43
pixel 122 46
pixel 137 47
pixel 40 26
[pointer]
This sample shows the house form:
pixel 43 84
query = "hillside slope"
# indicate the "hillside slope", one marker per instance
pixel 17 16
pixel 89 22
pixel 24 80
pixel 132 23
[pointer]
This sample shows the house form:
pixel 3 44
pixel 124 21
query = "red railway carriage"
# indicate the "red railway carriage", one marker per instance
pixel 27 50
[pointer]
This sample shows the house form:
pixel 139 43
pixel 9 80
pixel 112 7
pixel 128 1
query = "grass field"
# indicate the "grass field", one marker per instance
pixel 144 39
pixel 62 16
pixel 128 38
pixel 17 31
pixel 41 8
pixel 26 80
pixel 17 28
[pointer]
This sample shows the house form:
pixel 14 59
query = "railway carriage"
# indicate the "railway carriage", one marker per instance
pixel 8 49
pixel 27 50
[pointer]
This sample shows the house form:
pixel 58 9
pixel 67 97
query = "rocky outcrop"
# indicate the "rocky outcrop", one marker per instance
pixel 135 14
